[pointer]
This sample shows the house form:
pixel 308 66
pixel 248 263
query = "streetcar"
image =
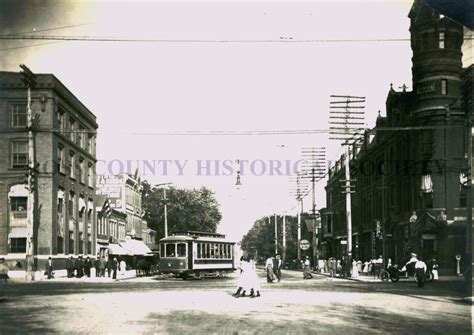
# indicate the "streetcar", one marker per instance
pixel 196 254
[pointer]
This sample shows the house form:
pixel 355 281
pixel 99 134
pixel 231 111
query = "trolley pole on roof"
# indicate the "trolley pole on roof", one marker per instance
pixel 29 79
pixel 164 201
pixel 346 119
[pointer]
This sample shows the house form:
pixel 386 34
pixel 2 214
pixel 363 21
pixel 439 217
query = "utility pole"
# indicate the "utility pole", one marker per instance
pixel 29 79
pixel 314 168
pixel 276 235
pixel 299 193
pixel 346 118
pixel 284 238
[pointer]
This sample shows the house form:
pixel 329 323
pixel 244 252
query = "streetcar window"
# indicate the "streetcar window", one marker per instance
pixel 221 251
pixel 226 253
pixel 170 249
pixel 162 250
pixel 181 248
pixel 198 250
pixel 206 249
pixel 212 251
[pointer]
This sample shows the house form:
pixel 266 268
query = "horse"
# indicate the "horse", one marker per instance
pixel 7 265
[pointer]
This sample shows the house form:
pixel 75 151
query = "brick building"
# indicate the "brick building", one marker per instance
pixel 65 152
pixel 411 169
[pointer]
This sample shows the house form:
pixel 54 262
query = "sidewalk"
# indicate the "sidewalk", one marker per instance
pixel 61 276
pixel 372 279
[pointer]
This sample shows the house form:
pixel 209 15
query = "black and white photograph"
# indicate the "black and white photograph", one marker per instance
pixel 236 167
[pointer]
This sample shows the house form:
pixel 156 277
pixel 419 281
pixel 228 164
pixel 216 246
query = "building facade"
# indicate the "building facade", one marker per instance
pixel 65 155
pixel 122 193
pixel 411 170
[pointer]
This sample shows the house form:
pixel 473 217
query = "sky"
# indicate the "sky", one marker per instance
pixel 250 68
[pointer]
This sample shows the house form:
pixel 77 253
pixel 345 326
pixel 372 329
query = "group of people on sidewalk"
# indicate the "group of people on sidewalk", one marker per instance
pixel 81 267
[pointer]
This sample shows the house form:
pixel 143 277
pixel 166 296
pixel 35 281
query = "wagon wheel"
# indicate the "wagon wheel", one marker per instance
pixel 394 279
pixel 384 276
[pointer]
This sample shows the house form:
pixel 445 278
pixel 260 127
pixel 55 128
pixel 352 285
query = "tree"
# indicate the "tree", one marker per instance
pixel 188 209
pixel 260 239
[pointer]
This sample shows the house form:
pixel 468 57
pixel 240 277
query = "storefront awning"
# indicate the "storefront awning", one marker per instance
pixel 115 249
pixel 135 247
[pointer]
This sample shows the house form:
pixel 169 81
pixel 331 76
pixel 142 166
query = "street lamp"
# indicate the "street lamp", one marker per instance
pixel 165 203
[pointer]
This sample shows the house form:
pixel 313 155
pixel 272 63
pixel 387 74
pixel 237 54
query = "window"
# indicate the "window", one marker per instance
pixel 81 171
pixel 90 175
pixel 18 204
pixel 71 204
pixel 71 242
pixel 19 154
pixel 18 245
pixel 81 242
pixel 19 115
pixel 463 199
pixel 444 87
pixel 441 40
pixel 60 116
pixel 199 246
pixel 73 165
pixel 181 250
pixel 72 129
pixel 61 161
pixel 81 137
pixel 170 250
pixel 89 244
pixel 91 141
pixel 60 244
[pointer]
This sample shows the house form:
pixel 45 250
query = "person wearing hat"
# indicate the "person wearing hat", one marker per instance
pixel 307 269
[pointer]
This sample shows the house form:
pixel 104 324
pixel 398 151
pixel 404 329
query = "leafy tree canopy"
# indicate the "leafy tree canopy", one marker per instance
pixel 187 209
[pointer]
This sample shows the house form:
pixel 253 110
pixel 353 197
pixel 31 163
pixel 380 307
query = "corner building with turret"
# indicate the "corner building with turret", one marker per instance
pixel 412 170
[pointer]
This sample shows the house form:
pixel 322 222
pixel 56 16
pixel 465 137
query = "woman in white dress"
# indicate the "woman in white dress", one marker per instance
pixel 355 270
pixel 243 282
pixel 253 280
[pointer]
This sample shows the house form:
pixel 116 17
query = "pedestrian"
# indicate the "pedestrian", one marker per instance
pixel 277 266
pixel 339 268
pixel 79 267
pixel 269 269
pixel 332 267
pixel 254 281
pixel 243 282
pixel 87 266
pixel 102 266
pixel 420 271
pixel 114 268
pixel 365 269
pixel 50 268
pixel 123 268
pixel 97 266
pixel 307 269
pixel 70 267
pixel 110 266
pixel 355 270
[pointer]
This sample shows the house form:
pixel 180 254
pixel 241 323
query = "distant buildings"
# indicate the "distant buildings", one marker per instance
pixel 121 214
pixel 412 168
pixel 65 140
